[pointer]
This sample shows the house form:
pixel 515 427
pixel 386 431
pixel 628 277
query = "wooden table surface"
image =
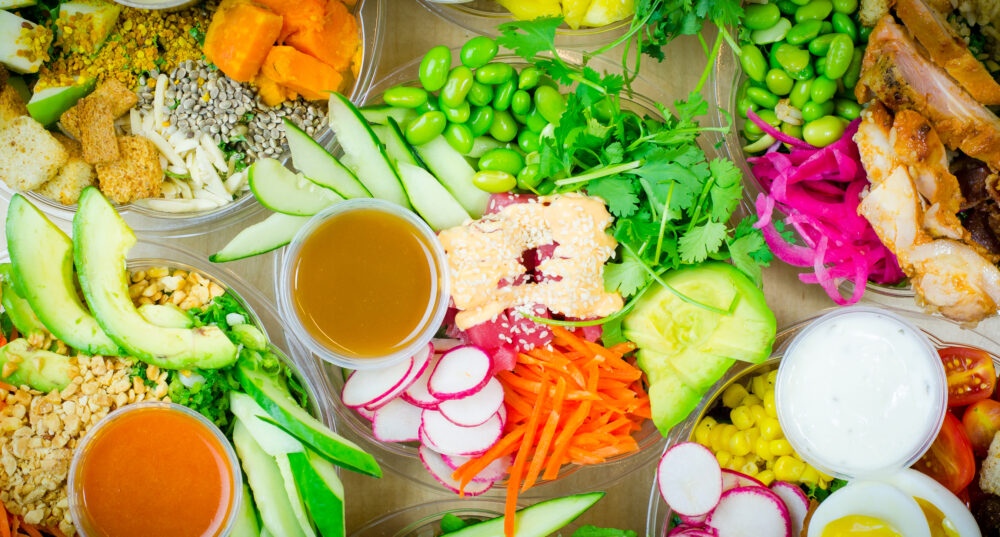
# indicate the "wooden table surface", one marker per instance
pixel 411 30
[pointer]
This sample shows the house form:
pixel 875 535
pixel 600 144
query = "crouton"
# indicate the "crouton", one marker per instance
pixel 989 476
pixel 135 175
pixel 97 131
pixel 11 105
pixel 74 176
pixel 113 93
pixel 29 154
pixel 873 10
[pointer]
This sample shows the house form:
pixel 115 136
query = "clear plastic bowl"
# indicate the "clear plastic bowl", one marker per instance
pixel 424 520
pixel 372 18
pixel 483 16
pixel 940 331
pixel 433 315
pixel 76 507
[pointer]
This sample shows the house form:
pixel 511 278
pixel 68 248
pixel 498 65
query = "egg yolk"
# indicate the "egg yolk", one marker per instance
pixel 940 526
pixel 859 525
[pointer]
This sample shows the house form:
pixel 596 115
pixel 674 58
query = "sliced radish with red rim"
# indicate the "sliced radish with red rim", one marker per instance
pixel 420 362
pixel 461 372
pixel 474 409
pixel 365 386
pixel 417 393
pixel 450 439
pixel 690 479
pixel 494 471
pixel 397 421
pixel 442 473
pixel 732 479
pixel 795 500
pixel 751 512
pixel 691 531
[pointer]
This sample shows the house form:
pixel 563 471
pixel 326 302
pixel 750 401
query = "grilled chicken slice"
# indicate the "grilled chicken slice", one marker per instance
pixel 948 50
pixel 898 73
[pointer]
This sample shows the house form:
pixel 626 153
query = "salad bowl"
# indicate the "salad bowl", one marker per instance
pixel 424 520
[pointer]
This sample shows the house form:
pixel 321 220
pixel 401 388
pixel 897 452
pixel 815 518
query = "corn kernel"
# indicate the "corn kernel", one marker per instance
pixel 723 458
pixel 766 477
pixel 749 469
pixel 726 432
pixel 758 386
pixel 733 395
pixel 810 475
pixel 772 377
pixel 770 407
pixel 758 413
pixel 703 431
pixel 752 436
pixel 770 428
pixel 751 400
pixel 736 463
pixel 788 468
pixel 763 449
pixel 781 447
pixel 824 477
pixel 741 417
pixel 738 444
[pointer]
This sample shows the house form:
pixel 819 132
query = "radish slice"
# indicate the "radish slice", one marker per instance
pixel 461 372
pixel 494 471
pixel 731 479
pixel 397 421
pixel 476 408
pixel 696 521
pixel 450 439
pixel 420 362
pixel 366 386
pixel 795 500
pixel 406 397
pixel 503 416
pixel 690 531
pixel 751 512
pixel 442 473
pixel 365 413
pixel 417 393
pixel 690 479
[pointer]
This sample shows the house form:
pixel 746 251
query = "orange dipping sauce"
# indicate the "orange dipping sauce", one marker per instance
pixel 151 472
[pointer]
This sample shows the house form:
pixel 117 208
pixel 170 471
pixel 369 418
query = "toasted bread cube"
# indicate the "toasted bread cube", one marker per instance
pixel 136 174
pixel 989 474
pixel 115 95
pixel 29 154
pixel 74 176
pixel 97 132
pixel 11 105
pixel 873 10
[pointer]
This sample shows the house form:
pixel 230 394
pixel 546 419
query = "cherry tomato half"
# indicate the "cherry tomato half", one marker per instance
pixel 971 375
pixel 981 421
pixel 950 460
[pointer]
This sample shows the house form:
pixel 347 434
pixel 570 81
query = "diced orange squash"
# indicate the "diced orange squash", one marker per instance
pixel 297 15
pixel 334 42
pixel 239 38
pixel 270 92
pixel 301 73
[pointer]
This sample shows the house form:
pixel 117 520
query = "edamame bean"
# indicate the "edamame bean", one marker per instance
pixel 752 132
pixel 458 114
pixel 800 93
pixel 520 118
pixel 773 34
pixel 844 25
pixel 494 73
pixel 815 10
pixel 480 94
pixel 753 62
pixel 769 117
pixel 803 32
pixel 821 45
pixel 529 177
pixel 846 7
pixel 812 110
pixel 528 141
pixel 504 94
pixel 504 127
pixel 800 3
pixel 779 82
pixel 535 121
pixel 405 96
pixel 550 103
pixel 431 105
pixel 434 68
pixel 824 131
pixel 762 97
pixel 806 74
pixel 823 89
pixel 457 87
pixel 820 66
pixel 480 120
pixel 791 58
pixel 826 28
pixel 494 181
pixel 787 7
pixel 761 16
pixel 745 104
pixel 794 131
pixel 864 32
pixel 847 109
pixel 546 188
pixel 478 51
pixel 521 102
pixel 839 57
pixel 426 127
pixel 528 78
pixel 459 137
pixel 502 159
pixel 853 73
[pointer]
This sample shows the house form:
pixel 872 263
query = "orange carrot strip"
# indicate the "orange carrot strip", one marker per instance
pixel 545 440
pixel 622 348
pixel 5 527
pixel 8 387
pixel 570 429
pixel 571 340
pixel 514 480
pixel 507 445
pixel 31 530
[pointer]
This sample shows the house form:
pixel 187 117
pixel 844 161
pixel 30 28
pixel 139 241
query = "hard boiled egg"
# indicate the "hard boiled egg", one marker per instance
pixel 945 513
pixel 869 509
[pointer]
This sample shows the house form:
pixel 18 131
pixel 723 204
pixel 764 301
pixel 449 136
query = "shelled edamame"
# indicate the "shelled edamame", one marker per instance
pixel 482 97
pixel 802 59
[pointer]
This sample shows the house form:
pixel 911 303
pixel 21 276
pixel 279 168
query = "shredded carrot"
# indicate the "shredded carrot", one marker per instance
pixel 5 527
pixel 7 387
pixel 571 402
pixel 31 530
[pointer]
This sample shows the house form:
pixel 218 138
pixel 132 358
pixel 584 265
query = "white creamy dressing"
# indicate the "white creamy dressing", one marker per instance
pixel 860 392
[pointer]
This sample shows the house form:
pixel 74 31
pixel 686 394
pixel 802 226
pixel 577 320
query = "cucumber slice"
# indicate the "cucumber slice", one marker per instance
pixel 271 439
pixel 482 145
pixel 380 114
pixel 322 490
pixel 363 154
pixel 319 166
pixel 294 496
pixel 269 234
pixel 267 485
pixel 395 144
pixel 280 190
pixel 290 417
pixel 246 524
pixel 431 200
pixel 539 520
pixel 166 316
pixel 16 306
pixel 455 173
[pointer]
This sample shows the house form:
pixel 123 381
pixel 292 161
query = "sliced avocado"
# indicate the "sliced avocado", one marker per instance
pixel 102 239
pixel 42 370
pixel 671 401
pixel 166 315
pixel 90 21
pixel 698 370
pixel 16 306
pixel 42 257
pixel 48 104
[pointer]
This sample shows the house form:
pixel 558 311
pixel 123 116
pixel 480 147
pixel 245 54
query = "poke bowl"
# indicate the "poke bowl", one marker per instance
pixel 174 291
pixel 810 486
pixel 203 184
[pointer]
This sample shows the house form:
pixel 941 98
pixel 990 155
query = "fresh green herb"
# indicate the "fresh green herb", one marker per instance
pixel 248 117
pixel 594 531
pixel 6 325
pixel 230 150
pixel 451 523
pixel 814 492
pixel 175 104
pixel 169 173
pixel 198 34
